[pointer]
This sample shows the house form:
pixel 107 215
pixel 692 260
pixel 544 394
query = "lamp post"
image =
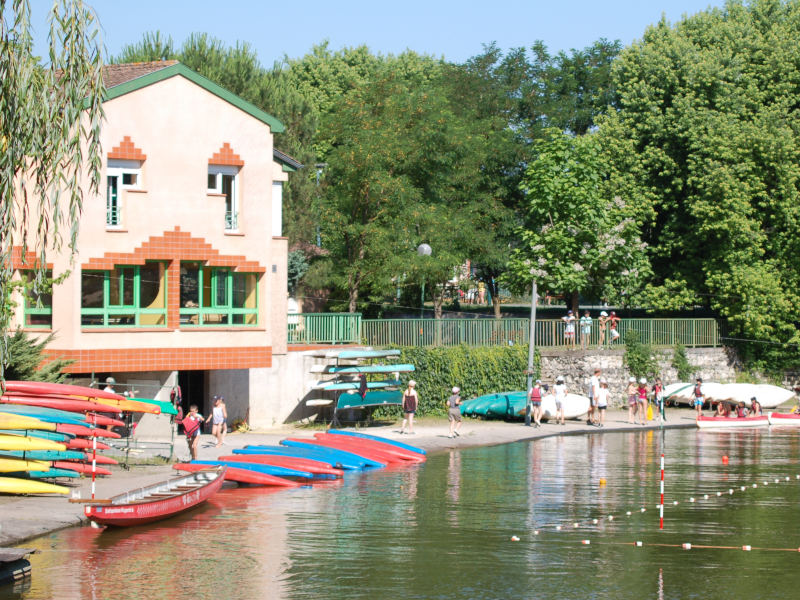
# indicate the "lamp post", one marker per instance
pixel 423 250
pixel 531 348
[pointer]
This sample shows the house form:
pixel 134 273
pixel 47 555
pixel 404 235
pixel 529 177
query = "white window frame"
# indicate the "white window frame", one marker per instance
pixel 119 168
pixel 218 171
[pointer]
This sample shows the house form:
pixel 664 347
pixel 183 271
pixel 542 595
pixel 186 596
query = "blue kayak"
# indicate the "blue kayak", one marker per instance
pixel 258 467
pixel 48 415
pixel 375 438
pixel 44 454
pixel 50 473
pixel 337 455
pixel 350 464
pixel 43 435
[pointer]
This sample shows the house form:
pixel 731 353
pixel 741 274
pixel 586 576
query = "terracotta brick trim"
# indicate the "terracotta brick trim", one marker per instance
pixel 226 156
pixel 127 150
pixel 26 260
pixel 120 360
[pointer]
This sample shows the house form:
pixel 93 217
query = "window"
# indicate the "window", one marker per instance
pixel 224 180
pixel 120 175
pixel 126 296
pixel 38 300
pixel 217 296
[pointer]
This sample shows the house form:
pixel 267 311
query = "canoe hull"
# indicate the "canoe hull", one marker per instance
pixel 241 475
pixel 302 464
pixel 13 485
pixel 732 422
pixel 376 438
pixel 783 419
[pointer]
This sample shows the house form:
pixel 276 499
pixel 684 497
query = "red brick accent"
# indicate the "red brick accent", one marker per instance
pixel 175 245
pixel 226 156
pixel 127 151
pixel 163 359
pixel 30 260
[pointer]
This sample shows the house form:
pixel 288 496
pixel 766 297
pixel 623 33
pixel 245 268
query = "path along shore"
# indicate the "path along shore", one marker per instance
pixel 26 517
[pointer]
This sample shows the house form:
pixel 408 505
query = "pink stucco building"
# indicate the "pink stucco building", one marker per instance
pixel 180 274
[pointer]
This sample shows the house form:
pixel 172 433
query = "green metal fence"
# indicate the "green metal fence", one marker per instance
pixel 347 328
pixel 325 328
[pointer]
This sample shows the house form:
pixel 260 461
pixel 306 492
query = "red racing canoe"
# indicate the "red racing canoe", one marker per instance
pixel 157 501
pixel 65 403
pixel 84 444
pixel 80 467
pixel 87 431
pixel 241 475
pixel 359 450
pixel 355 442
pixel 43 388
pixel 301 464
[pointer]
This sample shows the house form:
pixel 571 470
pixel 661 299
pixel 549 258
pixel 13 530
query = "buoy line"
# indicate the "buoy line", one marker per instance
pixel 683 546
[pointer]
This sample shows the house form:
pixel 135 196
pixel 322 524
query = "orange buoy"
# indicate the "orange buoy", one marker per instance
pixel 724 460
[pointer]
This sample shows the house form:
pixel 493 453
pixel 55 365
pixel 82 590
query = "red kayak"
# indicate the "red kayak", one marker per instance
pixel 84 444
pixel 79 467
pixel 301 464
pixel 371 453
pixel 42 388
pixel 99 459
pixel 241 475
pixel 60 403
pixel 81 430
pixel 389 448
pixel 103 421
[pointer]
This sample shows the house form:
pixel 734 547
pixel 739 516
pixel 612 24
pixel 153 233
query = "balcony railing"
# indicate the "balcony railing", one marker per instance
pixel 349 328
pixel 231 221
pixel 113 216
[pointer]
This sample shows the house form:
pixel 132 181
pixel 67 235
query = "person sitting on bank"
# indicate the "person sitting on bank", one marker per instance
pixel 755 407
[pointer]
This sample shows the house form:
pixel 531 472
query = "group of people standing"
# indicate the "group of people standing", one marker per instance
pixel 193 424
pixel 638 393
pixel 607 323
pixel 411 404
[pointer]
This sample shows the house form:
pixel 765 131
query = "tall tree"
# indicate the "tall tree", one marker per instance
pixel 49 134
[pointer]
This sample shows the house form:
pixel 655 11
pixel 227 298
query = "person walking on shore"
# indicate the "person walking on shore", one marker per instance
pixel 536 402
pixel 602 402
pixel 560 394
pixel 454 412
pixel 219 420
pixel 191 427
pixel 410 404
pixel 630 391
pixel 658 396
pixel 586 330
pixel 699 399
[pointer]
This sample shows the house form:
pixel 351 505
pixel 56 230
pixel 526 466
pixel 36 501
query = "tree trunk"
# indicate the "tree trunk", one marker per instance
pixel 354 282
pixel 574 303
pixel 438 300
pixel 493 290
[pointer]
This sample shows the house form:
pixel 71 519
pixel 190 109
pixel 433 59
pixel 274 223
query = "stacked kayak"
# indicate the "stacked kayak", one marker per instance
pixel 511 405
pixel 50 431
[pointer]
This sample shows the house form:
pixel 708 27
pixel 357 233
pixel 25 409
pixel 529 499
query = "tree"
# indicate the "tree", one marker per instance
pixel 49 135
pixel 26 358
pixel 710 107
pixel 577 236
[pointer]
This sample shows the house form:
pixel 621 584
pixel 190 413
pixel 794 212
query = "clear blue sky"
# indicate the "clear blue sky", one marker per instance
pixel 449 28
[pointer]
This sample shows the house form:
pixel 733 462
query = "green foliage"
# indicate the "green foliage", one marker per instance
pixel 476 370
pixel 25 357
pixel 296 269
pixel 680 362
pixel 639 357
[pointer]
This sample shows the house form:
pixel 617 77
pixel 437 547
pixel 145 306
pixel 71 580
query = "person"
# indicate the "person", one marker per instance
pixel 601 398
pixel 641 400
pixel 755 407
pixel 454 412
pixel 586 330
pixel 602 323
pixel 569 328
pixel 720 412
pixel 410 404
pixel 631 393
pixel 796 410
pixel 560 393
pixel 613 323
pixel 698 397
pixel 594 386
pixel 191 427
pixel 536 402
pixel 110 383
pixel 658 396
pixel 741 410
pixel 481 292
pixel 219 420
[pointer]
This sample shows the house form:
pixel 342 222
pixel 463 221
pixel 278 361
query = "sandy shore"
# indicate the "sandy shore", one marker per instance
pixel 23 518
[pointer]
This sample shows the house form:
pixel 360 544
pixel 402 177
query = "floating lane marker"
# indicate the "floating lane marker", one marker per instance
pixel 638 544
pixel 586 542
pixel 686 546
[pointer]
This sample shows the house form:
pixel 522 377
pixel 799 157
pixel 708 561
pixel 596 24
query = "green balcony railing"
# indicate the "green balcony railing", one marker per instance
pixel 347 328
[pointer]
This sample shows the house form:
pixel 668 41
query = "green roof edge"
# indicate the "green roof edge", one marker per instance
pixel 179 69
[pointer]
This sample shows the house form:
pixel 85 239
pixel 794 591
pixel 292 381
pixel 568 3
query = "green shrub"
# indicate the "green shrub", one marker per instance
pixel 25 357
pixel 680 362
pixel 639 358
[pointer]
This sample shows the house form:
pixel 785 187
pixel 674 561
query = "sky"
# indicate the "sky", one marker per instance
pixel 451 29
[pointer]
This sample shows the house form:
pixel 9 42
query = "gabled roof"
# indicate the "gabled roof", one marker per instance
pixel 289 164
pixel 126 78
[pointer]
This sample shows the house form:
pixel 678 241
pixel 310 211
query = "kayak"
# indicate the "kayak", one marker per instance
pixel 376 438
pixel 241 475
pixel 11 421
pixel 268 469
pixel 49 415
pixel 351 369
pixel 12 465
pixel 331 452
pixel 704 422
pixel 84 430
pixel 784 419
pixel 24 443
pixel 52 473
pixel 80 467
pixel 53 436
pixel 165 406
pixel 338 443
pixel 401 453
pixel 14 485
pixel 66 403
pixel 574 406
pixel 84 444
pixel 44 454
pixel 350 463
pixel 303 464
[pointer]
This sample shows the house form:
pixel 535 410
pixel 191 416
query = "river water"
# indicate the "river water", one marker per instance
pixel 444 529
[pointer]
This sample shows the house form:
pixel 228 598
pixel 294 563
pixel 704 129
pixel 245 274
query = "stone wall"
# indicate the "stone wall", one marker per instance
pixel 577 366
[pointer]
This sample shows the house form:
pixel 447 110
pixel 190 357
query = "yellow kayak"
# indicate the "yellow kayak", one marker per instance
pixel 23 443
pixel 12 485
pixel 13 421
pixel 128 405
pixel 13 465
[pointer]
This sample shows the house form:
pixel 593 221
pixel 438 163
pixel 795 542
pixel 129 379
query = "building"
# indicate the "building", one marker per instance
pixel 180 273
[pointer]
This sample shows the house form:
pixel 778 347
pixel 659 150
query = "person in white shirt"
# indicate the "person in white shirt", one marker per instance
pixel 601 398
pixel 560 393
pixel 594 386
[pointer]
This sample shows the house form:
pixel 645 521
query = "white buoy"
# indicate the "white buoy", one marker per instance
pixel 576 525
pixel 755 485
pixel 638 544
pixel 610 517
pixel 746 548
pixel 594 521
pixel 691 499
pixel 719 493
pixel 730 491
pixel 705 496
pixel 514 538
pixel 777 481
pixel 535 532
pixel 586 542
pixel 743 488
pixel 628 513
pixel 674 503
pixel 686 546
pixel 642 509
pixel 558 527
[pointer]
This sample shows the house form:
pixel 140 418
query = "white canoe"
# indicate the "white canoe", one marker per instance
pixel 784 419
pixel 732 422
pixel 575 405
